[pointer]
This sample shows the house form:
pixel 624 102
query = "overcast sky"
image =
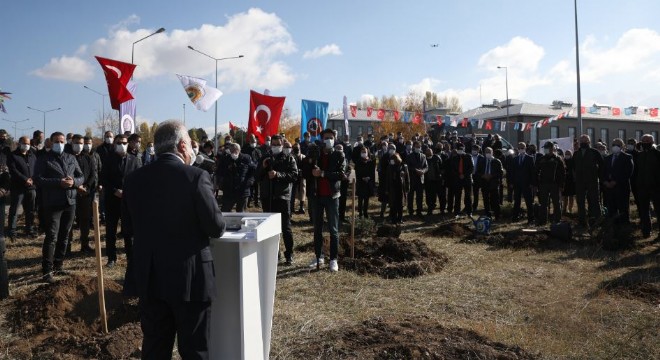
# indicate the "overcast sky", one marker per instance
pixel 323 51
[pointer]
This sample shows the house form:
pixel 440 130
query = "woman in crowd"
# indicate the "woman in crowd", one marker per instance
pixel 365 173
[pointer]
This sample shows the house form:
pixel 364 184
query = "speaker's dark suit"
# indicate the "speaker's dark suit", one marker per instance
pixel 618 168
pixel 522 168
pixel 170 210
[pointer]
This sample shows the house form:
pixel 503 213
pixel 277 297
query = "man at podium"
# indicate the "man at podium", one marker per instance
pixel 170 210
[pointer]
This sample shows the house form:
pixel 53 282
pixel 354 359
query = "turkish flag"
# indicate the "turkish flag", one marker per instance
pixel 369 111
pixel 417 119
pixel 117 75
pixel 397 115
pixel 653 112
pixel 583 110
pixel 464 122
pixel 438 119
pixel 232 127
pixel 265 112
pixel 616 111
pixel 489 125
pixel 353 111
pixel 381 114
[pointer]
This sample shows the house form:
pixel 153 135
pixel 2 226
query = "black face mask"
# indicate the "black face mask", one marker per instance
pixel 647 146
pixel 584 145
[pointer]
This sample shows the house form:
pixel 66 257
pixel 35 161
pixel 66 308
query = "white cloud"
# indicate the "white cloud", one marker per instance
pixel 520 53
pixel 426 84
pixel 125 23
pixel 331 49
pixel 69 68
pixel 261 37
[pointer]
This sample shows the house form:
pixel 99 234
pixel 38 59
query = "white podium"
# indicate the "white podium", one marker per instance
pixel 245 260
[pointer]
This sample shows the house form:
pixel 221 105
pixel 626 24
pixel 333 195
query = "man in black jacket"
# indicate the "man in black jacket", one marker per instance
pixel 417 167
pixel 170 210
pixel 21 164
pixel 275 173
pixel 236 174
pixel 433 181
pixel 255 153
pixel 4 190
pixel 647 181
pixel 115 169
pixel 460 169
pixel 616 181
pixel 489 171
pixel 104 151
pixel 522 173
pixel 589 169
pixel 58 175
pixel 84 192
pixel 549 177
pixel 328 173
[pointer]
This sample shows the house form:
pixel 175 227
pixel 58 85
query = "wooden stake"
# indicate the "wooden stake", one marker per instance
pixel 353 223
pixel 99 265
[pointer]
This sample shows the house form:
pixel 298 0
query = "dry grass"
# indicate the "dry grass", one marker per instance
pixel 572 301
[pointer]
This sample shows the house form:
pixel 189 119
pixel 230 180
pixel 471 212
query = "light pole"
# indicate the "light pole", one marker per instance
pixel 506 79
pixel 577 67
pixel 102 104
pixel 215 134
pixel 15 124
pixel 184 114
pixel 44 112
pixel 150 35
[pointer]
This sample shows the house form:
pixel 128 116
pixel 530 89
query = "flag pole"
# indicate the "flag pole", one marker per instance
pixel 99 266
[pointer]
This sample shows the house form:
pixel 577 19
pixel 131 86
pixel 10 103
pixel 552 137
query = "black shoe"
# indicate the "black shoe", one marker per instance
pixel 111 264
pixel 48 278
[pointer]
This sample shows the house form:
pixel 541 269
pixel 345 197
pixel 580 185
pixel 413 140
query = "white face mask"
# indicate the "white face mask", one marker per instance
pixel 253 145
pixel 121 148
pixel 77 148
pixel 392 162
pixel 234 156
pixel 87 147
pixel 109 140
pixel 460 152
pixel 329 143
pixel 25 147
pixel 616 149
pixel 417 150
pixel 151 150
pixel 276 150
pixel 630 147
pixel 58 147
pixel 364 155
pixel 267 142
pixel 286 151
pixel 489 156
pixel 391 151
pixel 196 150
pixel 191 153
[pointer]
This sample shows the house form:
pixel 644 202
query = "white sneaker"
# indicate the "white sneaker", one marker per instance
pixel 334 266
pixel 313 264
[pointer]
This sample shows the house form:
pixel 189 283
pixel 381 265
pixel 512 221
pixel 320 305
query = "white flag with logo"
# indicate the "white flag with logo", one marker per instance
pixel 201 95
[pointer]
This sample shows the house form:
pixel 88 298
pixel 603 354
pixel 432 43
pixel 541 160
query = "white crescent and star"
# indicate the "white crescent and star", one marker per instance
pixel 115 69
pixel 262 108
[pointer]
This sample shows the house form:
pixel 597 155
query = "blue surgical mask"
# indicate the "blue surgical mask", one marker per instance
pixel 58 148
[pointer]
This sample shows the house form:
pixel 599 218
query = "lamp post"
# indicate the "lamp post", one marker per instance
pixel 577 68
pixel 215 134
pixel 15 124
pixel 506 79
pixel 102 104
pixel 44 112
pixel 150 35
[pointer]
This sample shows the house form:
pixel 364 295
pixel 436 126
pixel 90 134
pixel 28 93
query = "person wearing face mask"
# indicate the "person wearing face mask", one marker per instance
pixel 549 178
pixel 461 169
pixel 148 156
pixel 255 153
pixel 408 149
pixel 118 165
pixel 329 171
pixel 400 144
pixel 88 150
pixel 490 172
pixel 67 146
pixel 84 191
pixel 433 181
pixel 383 162
pixel 304 144
pixel 344 182
pixel 37 142
pixel 616 182
pixel 589 168
pixel 104 151
pixel 630 149
pixel 569 183
pixel 647 181
pixel 276 172
pixel 477 160
pixel 417 168
pixel 237 178
pixel 135 144
pixel 365 175
pixel 398 187
pixel 58 175
pixel 265 148
pixel 172 213
pixel 522 174
pixel 299 188
pixel 21 164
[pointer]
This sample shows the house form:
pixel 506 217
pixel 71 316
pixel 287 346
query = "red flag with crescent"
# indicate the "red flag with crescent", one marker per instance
pixel 370 110
pixel 265 112
pixel 397 115
pixel 117 75
pixel 417 119
pixel 381 114
pixel 353 110
pixel 489 125
pixel 439 119
pixel 653 112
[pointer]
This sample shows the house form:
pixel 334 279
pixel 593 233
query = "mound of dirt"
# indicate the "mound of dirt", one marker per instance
pixel 418 338
pixel 514 240
pixel 452 229
pixel 64 318
pixel 387 230
pixel 393 258
pixel 614 235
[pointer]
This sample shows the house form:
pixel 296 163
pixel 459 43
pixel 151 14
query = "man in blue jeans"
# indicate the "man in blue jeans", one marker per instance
pixel 328 173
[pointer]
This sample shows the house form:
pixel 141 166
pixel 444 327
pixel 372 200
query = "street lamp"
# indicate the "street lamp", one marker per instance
pixel 102 103
pixel 215 134
pixel 150 35
pixel 577 67
pixel 44 112
pixel 506 77
pixel 15 124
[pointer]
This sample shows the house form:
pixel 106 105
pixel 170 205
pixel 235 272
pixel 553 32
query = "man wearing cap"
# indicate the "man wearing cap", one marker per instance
pixel 550 174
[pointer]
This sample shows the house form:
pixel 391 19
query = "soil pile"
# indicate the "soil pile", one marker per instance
pixel 418 338
pixel 452 229
pixel 63 318
pixel 391 258
pixel 514 240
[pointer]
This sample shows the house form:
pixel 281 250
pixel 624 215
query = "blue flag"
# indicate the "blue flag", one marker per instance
pixel 314 118
pixel 406 117
pixel 627 111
